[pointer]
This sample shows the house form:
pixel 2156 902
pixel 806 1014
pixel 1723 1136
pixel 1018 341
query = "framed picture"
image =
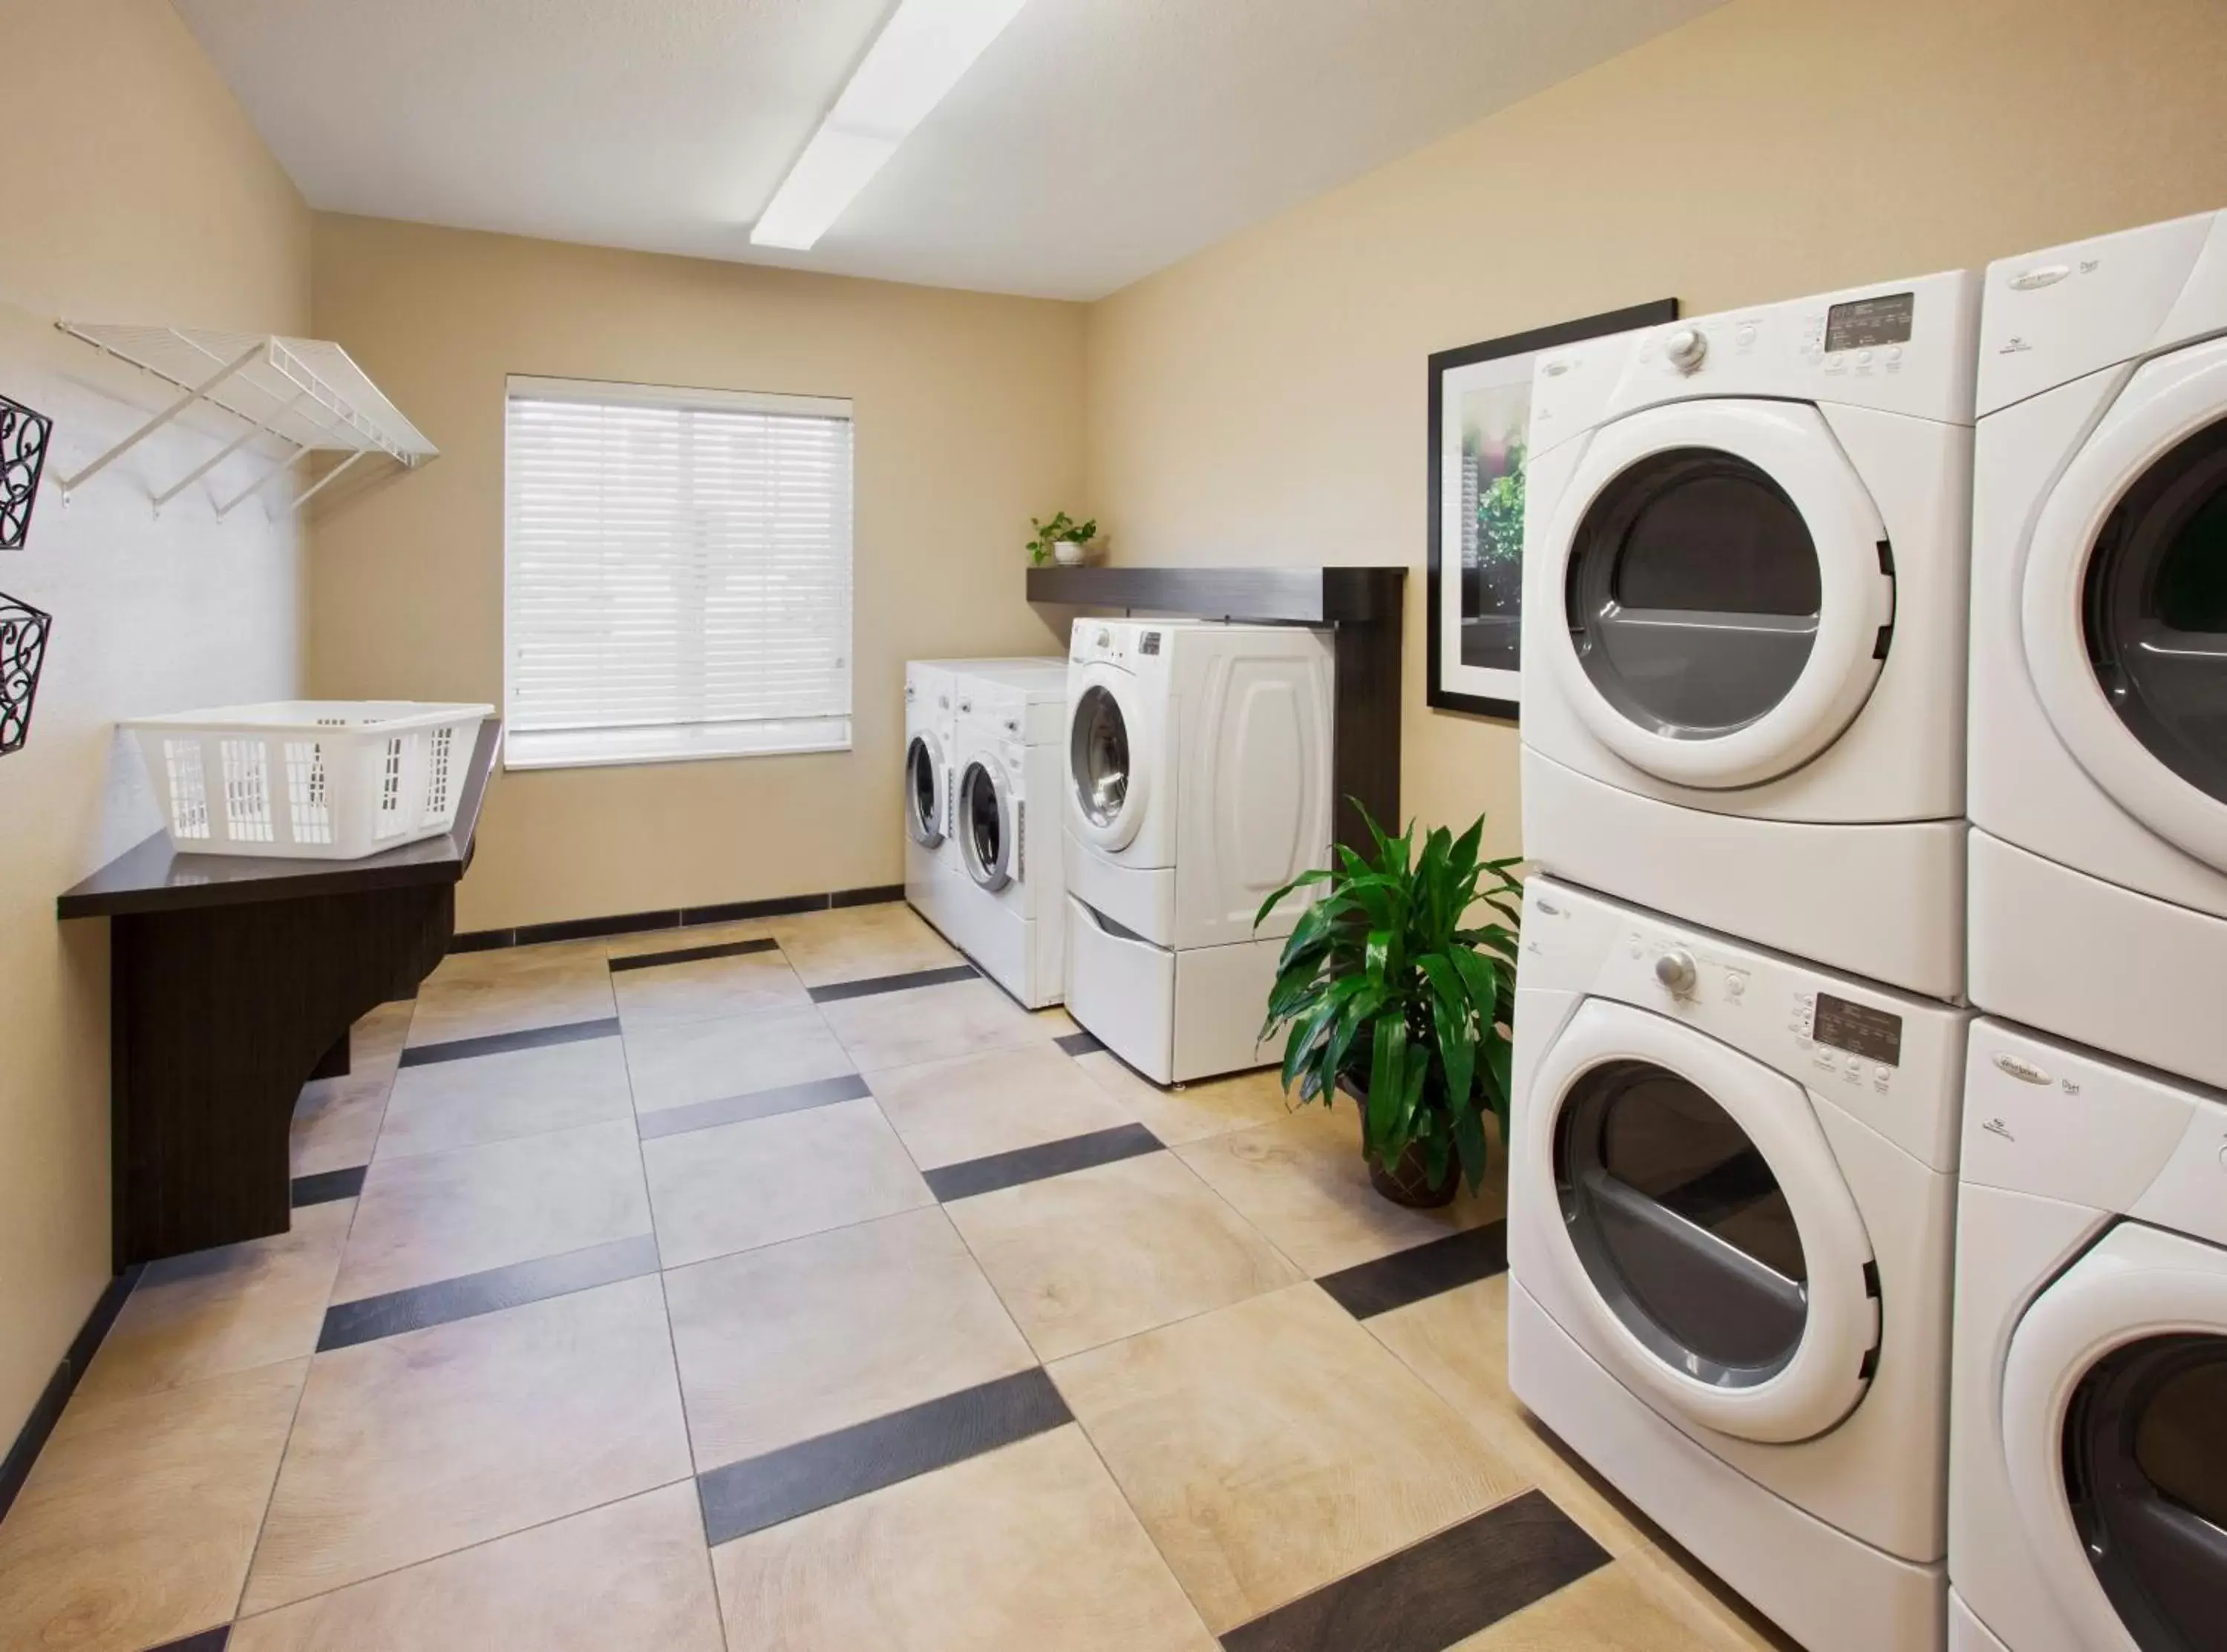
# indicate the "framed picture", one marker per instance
pixel 1480 426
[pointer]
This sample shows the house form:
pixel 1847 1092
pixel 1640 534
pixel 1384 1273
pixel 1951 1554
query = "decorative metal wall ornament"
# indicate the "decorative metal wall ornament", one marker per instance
pixel 24 632
pixel 22 455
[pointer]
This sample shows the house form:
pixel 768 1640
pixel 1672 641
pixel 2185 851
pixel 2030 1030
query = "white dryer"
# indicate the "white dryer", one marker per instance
pixel 932 865
pixel 1731 1189
pixel 2088 1475
pixel 1198 781
pixel 1743 653
pixel 2099 645
pixel 1009 908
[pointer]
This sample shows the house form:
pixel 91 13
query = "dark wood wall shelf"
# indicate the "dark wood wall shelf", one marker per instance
pixel 232 981
pixel 1363 605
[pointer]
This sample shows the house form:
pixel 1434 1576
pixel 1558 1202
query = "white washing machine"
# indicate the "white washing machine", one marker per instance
pixel 932 865
pixel 2099 645
pixel 1008 908
pixel 1198 781
pixel 1743 653
pixel 2088 1474
pixel 1732 1192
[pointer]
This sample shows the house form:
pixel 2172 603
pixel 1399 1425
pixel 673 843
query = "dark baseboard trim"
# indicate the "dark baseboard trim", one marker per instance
pixel 31 1438
pixel 622 923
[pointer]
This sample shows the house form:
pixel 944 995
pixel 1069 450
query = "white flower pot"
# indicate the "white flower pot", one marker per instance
pixel 1069 554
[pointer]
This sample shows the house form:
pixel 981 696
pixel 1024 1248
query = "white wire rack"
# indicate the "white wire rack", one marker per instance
pixel 305 395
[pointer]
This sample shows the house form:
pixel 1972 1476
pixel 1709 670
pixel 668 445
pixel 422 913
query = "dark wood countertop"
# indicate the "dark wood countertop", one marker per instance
pixel 154 877
pixel 1307 596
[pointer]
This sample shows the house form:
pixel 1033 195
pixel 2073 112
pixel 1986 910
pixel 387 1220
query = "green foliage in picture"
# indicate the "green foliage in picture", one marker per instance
pixel 1061 528
pixel 1387 984
pixel 1500 514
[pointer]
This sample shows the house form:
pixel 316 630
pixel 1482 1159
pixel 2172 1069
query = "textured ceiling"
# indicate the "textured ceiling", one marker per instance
pixel 1095 142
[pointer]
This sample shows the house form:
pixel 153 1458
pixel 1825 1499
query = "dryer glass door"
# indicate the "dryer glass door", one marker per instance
pixel 923 793
pixel 986 835
pixel 1098 756
pixel 2146 1474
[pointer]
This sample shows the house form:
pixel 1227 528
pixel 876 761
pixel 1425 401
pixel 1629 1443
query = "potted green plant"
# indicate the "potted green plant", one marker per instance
pixel 1063 539
pixel 1390 992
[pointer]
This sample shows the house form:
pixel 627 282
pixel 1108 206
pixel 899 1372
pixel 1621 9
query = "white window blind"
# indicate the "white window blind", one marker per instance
pixel 677 574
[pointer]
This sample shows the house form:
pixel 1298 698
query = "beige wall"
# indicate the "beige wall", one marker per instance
pixel 1264 400
pixel 969 420
pixel 135 190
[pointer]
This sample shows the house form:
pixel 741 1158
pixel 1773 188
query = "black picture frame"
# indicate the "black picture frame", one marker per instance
pixel 1439 696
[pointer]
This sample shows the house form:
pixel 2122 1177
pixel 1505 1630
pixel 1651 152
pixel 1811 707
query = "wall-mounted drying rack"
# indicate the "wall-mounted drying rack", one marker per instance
pixel 305 393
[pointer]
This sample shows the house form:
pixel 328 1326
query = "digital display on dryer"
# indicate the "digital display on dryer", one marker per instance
pixel 1876 1035
pixel 1864 322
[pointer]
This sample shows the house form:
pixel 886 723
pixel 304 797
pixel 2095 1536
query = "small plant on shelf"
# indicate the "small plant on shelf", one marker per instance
pixel 1061 531
pixel 1390 991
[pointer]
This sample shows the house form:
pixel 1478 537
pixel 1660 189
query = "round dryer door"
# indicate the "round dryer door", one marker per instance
pixel 1106 788
pixel 1727 588
pixel 2115 1428
pixel 923 791
pixel 2125 612
pixel 989 834
pixel 1706 1227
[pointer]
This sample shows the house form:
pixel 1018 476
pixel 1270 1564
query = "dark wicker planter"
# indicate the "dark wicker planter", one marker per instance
pixel 1408 1182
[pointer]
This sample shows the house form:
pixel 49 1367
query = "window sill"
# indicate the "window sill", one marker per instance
pixel 694 742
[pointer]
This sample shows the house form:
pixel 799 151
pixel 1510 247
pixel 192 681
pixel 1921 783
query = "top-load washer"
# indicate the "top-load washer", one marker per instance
pixel 2099 645
pixel 1732 1187
pixel 2088 1467
pixel 1743 647
pixel 1009 911
pixel 932 865
pixel 1198 781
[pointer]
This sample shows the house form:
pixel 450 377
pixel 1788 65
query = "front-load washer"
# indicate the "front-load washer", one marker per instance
pixel 1009 906
pixel 1743 653
pixel 2099 645
pixel 931 854
pixel 1198 781
pixel 2088 1467
pixel 1731 1193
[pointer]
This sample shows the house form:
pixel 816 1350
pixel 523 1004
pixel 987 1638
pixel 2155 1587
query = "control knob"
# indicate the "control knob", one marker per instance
pixel 1675 971
pixel 1685 348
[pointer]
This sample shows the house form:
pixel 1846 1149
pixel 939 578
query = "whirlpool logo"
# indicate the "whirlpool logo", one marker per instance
pixel 2020 1068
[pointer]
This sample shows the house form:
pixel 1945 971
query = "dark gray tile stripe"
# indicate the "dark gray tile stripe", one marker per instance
pixel 370 1318
pixel 692 954
pixel 1078 1043
pixel 497 1043
pixel 1442 1590
pixel 763 1491
pixel 738 1109
pixel 209 1640
pixel 875 984
pixel 970 1177
pixel 1429 1270
pixel 328 1185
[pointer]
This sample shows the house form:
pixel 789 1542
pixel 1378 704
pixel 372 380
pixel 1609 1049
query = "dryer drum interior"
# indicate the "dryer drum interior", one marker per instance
pixel 1098 756
pixel 2145 1473
pixel 982 828
pixel 920 810
pixel 2156 609
pixel 1681 1224
pixel 1692 593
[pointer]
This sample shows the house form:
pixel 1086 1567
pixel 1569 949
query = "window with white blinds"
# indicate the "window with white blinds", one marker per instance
pixel 677 574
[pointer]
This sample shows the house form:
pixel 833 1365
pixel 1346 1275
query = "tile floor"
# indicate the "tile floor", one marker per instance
pixel 781 1286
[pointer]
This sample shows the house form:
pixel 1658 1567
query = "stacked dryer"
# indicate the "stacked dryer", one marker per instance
pixel 2089 1465
pixel 1740 1036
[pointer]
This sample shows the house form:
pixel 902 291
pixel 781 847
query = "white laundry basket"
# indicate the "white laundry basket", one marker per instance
pixel 312 780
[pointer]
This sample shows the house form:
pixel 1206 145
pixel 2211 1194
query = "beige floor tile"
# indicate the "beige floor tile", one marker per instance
pixel 1303 1183
pixel 854 943
pixel 740 1186
pixel 474 995
pixel 136 1526
pixel 1106 1252
pixel 336 1121
pixel 705 1061
pixel 1273 1446
pixel 1055 1021
pixel 794 1340
pixel 230 1309
pixel 670 995
pixel 414 1445
pixel 631 1574
pixel 443 1105
pixel 442 1215
pixel 930 1023
pixel 636 943
pixel 970 1107
pixel 1608 1610
pixel 1211 1107
pixel 377 1036
pixel 1025 1549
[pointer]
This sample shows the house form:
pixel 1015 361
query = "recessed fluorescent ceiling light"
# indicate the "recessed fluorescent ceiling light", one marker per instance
pixel 922 51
